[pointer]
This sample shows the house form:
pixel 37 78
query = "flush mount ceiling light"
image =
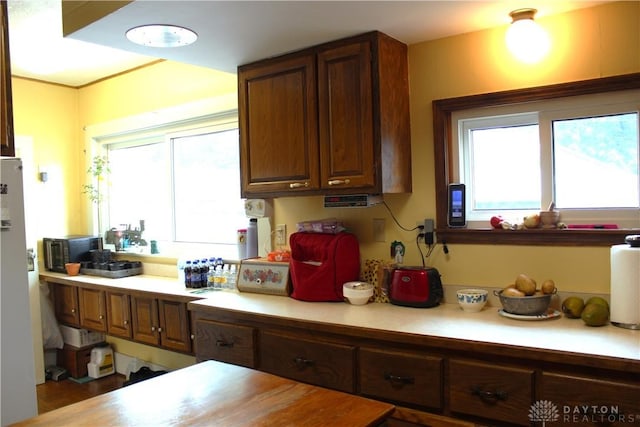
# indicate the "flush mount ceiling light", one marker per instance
pixel 526 40
pixel 161 35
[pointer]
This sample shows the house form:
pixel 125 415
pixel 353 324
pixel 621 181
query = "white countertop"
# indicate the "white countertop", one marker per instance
pixel 444 321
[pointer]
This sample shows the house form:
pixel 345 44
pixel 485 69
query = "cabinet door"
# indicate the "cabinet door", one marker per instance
pixel 92 309
pixel 586 401
pixel 174 325
pixel 6 115
pixel 66 304
pixel 278 126
pixel 494 392
pixel 316 362
pixel 118 314
pixel 401 377
pixel 226 343
pixel 144 313
pixel 345 111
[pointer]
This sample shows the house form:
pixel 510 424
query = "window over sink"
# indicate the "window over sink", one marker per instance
pixel 181 177
pixel 574 144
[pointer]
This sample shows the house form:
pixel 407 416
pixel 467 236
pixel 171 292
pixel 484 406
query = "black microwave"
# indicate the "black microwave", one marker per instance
pixel 59 251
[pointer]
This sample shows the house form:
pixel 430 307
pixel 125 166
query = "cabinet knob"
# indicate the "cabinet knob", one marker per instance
pixel 302 362
pixel 73 310
pixel 338 181
pixel 101 317
pixel 298 184
pixel 153 329
pixel 126 322
pixel 398 380
pixel 159 330
pixel 489 396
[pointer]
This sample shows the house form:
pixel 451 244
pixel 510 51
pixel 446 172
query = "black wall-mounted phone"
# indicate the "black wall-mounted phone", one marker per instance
pixel 457 205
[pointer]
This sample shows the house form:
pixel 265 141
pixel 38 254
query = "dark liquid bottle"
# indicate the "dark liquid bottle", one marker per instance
pixel 187 274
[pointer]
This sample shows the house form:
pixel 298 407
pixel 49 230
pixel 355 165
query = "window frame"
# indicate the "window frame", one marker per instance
pixel 444 159
pixel 219 111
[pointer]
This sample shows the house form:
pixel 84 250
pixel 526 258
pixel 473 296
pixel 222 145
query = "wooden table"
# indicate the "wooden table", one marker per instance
pixel 214 393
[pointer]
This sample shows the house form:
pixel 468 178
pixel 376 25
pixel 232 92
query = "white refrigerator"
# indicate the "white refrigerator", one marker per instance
pixel 17 377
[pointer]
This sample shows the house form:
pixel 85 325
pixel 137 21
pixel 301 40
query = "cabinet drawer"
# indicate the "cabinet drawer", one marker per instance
pixel 401 377
pixel 321 363
pixel 226 343
pixel 582 401
pixel 484 390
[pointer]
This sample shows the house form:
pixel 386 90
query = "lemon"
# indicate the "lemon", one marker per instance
pixel 572 307
pixel 595 315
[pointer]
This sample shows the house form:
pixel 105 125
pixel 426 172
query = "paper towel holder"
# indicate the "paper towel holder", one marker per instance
pixel 633 240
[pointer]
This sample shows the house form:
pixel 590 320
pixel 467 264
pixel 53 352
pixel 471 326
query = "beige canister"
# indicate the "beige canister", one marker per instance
pixel 102 362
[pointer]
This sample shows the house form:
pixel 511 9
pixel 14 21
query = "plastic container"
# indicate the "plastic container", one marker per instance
pixel 252 238
pixel 242 243
pixel 102 362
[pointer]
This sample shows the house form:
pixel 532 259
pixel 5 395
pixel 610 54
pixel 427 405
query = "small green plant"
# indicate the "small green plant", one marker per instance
pixel 99 168
pixel 98 171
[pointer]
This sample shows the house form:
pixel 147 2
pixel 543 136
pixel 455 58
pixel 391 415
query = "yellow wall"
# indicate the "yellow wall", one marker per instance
pixel 587 43
pixel 49 114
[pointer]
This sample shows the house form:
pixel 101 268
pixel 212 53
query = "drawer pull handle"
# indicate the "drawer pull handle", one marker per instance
pixel 302 363
pixel 223 343
pixel 338 182
pixel 299 185
pixel 489 396
pixel 398 380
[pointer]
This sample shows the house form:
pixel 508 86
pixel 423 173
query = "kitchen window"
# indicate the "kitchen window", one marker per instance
pixel 182 179
pixel 574 144
pixel 579 153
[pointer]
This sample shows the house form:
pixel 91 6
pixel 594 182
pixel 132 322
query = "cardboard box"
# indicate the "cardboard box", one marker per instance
pixel 80 337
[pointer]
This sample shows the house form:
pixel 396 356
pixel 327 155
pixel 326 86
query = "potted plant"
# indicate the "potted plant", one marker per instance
pixel 98 171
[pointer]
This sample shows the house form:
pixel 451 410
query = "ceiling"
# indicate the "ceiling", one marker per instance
pixel 234 32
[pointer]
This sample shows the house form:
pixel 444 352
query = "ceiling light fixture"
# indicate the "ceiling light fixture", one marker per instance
pixel 161 35
pixel 526 40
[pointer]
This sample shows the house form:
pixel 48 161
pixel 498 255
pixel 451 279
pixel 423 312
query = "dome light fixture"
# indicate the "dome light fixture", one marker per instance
pixel 526 40
pixel 161 35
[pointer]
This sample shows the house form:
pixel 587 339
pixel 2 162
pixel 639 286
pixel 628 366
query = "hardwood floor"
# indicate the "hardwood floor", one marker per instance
pixel 56 394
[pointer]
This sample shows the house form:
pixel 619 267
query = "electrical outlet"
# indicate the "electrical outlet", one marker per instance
pixel 281 234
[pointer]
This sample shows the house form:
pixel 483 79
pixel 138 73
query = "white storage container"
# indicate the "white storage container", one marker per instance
pixel 80 337
pixel 102 362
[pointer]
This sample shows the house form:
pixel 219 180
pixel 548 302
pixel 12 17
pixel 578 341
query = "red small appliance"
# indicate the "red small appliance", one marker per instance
pixel 416 287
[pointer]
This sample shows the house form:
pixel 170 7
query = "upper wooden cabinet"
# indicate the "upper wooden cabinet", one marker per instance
pixel 7 147
pixel 331 119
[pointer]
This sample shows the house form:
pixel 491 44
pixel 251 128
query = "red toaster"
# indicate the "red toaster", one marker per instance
pixel 415 287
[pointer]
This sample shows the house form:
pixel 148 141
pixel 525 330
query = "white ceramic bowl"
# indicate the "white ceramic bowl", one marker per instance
pixel 472 300
pixel 357 293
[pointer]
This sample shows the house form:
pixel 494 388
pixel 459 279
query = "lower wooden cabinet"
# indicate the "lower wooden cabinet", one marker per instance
pixel 93 309
pixel 225 342
pixel 160 322
pixel 587 401
pixel 491 391
pixel 66 305
pixel 317 362
pixel 119 314
pixel 144 317
pixel 408 378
